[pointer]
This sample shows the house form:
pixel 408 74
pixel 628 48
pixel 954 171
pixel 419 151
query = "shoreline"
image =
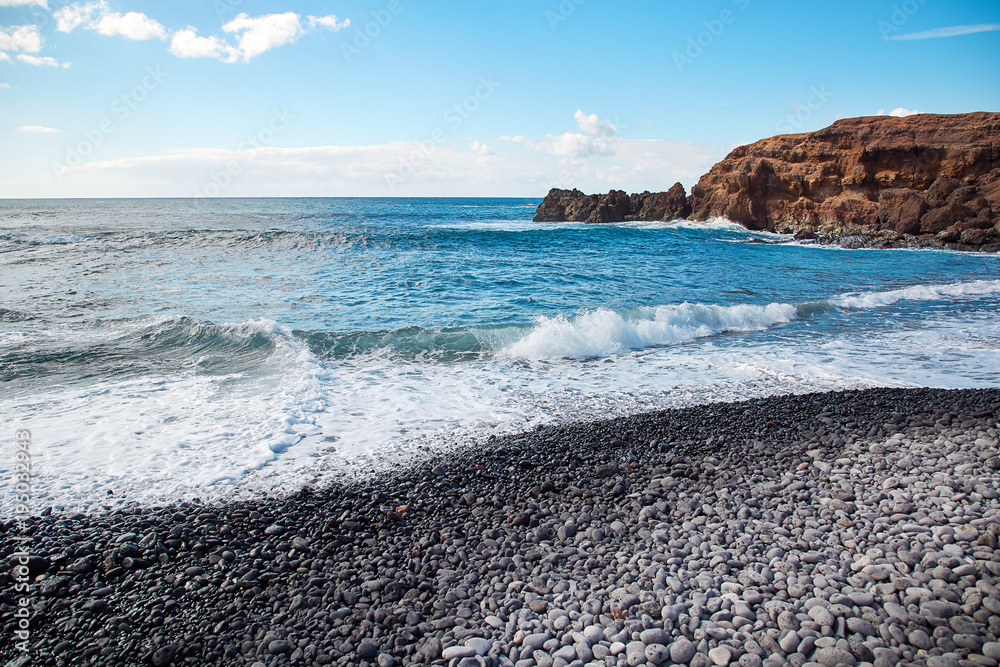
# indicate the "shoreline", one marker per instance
pixel 653 538
pixel 861 239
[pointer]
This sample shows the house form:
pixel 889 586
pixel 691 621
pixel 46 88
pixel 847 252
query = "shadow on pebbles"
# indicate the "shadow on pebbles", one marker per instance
pixel 825 529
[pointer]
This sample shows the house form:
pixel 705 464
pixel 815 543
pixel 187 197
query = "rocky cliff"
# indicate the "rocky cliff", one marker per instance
pixel 927 178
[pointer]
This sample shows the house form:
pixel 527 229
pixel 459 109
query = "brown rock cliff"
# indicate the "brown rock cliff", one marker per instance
pixel 922 175
pixel 934 177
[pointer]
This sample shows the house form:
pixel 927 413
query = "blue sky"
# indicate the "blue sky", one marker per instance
pixel 409 97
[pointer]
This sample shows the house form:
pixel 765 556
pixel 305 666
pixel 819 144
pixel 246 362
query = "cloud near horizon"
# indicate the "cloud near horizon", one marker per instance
pixel 899 112
pixel 592 125
pixel 594 139
pixel 952 31
pixel 518 166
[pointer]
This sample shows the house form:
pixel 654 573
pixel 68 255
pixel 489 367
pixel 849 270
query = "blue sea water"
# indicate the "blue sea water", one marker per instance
pixel 165 349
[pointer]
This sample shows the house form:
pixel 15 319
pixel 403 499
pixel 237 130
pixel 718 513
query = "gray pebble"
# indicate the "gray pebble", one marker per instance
pixel 682 650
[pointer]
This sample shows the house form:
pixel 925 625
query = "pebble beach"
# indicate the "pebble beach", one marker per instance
pixel 846 528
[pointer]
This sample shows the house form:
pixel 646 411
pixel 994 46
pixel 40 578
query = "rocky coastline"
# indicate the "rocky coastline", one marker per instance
pixel 919 181
pixel 848 528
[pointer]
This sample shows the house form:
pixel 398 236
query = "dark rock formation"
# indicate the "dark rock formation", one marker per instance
pixel 616 206
pixel 924 175
pixel 924 179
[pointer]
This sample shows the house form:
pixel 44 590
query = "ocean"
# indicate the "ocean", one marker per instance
pixel 165 350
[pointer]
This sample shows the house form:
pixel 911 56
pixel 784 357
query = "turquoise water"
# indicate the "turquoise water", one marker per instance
pixel 174 347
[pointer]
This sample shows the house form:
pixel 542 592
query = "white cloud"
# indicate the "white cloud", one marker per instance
pixel 26 38
pixel 257 35
pixel 70 17
pixel 953 31
pixel 187 44
pixel 595 139
pixel 41 61
pixel 4 86
pixel 330 22
pixel 21 3
pixel 36 129
pixel 571 145
pixel 480 148
pixel 517 166
pixel 253 35
pixel 593 126
pixel 899 112
pixel 446 170
pixel 131 25
pixel 4 57
pixel 97 16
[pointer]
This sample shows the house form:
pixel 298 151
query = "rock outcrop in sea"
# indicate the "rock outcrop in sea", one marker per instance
pixel 616 206
pixel 933 179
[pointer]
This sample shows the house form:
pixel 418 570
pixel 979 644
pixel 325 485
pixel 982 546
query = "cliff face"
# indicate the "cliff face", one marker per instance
pixel 923 175
pixel 616 206
pixel 936 178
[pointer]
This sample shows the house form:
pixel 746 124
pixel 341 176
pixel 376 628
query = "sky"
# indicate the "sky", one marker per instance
pixel 233 98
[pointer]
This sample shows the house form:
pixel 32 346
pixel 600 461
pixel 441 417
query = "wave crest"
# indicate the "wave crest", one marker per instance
pixel 603 332
pixel 861 300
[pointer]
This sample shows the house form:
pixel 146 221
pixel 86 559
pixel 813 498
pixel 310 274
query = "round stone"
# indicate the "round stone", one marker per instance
pixel 834 657
pixel 821 615
pixel 682 650
pixel 862 598
pixel 593 633
pixel 721 655
pixel 367 649
pixel 453 652
pixel 657 653
pixel 479 645
pixel 790 641
pixel 946 660
pixel 654 636
pixel 992 650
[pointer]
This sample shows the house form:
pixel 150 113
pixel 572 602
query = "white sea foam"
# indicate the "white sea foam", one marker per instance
pixel 295 420
pixel 917 293
pixel 163 437
pixel 719 224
